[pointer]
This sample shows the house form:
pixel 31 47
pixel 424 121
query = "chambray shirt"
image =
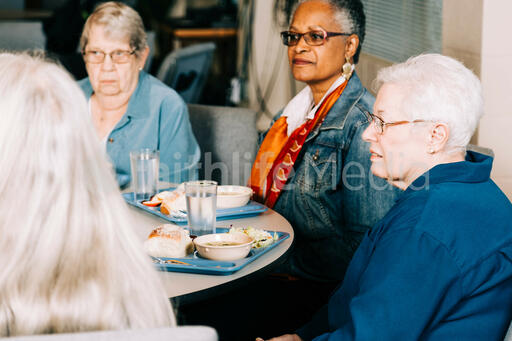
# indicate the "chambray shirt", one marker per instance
pixel 156 118
pixel 438 266
pixel 332 198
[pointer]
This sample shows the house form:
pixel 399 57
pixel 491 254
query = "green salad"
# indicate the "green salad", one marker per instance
pixel 261 238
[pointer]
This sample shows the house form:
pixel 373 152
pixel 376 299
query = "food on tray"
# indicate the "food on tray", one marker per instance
pixel 151 203
pixel 174 202
pixel 224 246
pixel 158 198
pixel 169 241
pixel 169 200
pixel 261 237
pixel 222 243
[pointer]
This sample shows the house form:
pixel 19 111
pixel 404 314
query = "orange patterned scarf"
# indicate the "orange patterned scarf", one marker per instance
pixel 278 152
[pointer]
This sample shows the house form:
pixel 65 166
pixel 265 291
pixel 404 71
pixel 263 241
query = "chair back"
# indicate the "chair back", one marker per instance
pixel 185 333
pixel 480 149
pixel 151 39
pixel 185 70
pixel 228 140
pixel 21 35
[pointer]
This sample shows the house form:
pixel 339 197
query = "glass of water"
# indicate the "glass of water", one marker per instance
pixel 144 166
pixel 201 206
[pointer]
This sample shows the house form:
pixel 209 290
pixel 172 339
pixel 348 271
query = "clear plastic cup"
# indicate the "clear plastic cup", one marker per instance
pixel 144 166
pixel 201 206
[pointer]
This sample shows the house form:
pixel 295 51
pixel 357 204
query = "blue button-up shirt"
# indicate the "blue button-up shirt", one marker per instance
pixel 438 266
pixel 156 118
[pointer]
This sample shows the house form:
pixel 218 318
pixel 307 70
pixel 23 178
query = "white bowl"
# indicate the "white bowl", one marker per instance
pixel 233 196
pixel 223 246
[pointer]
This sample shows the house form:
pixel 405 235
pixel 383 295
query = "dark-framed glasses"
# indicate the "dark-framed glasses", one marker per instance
pixel 117 56
pixel 378 123
pixel 312 38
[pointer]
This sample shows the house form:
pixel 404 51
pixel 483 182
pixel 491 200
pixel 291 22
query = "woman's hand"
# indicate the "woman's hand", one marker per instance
pixel 287 337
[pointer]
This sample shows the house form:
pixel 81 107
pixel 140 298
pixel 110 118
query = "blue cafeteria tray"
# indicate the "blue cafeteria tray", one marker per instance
pixel 199 265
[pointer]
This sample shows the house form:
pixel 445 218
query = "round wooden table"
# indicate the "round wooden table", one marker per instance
pixel 179 284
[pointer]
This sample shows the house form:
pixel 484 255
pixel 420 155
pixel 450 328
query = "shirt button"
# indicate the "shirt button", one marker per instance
pixel 315 157
pixel 110 140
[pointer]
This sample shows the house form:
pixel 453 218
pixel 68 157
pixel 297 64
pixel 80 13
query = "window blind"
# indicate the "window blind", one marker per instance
pixel 399 29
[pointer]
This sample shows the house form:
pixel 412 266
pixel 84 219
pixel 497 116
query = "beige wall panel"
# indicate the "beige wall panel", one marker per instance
pixel 462 25
pixel 368 67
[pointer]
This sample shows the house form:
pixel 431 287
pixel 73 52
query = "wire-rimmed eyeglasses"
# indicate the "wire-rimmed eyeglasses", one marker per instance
pixel 312 38
pixel 117 56
pixel 378 123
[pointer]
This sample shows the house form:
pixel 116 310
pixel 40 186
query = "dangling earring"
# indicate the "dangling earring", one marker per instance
pixel 347 68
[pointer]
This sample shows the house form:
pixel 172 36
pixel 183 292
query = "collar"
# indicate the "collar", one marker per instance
pixel 302 106
pixel 348 99
pixel 475 169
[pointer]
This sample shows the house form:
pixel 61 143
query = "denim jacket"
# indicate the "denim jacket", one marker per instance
pixel 332 198
pixel 156 118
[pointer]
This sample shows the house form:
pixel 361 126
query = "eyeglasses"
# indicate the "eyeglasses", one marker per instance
pixel 378 123
pixel 117 56
pixel 312 38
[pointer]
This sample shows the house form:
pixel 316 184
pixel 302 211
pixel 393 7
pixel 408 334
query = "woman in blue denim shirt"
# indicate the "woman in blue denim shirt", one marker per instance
pixel 131 109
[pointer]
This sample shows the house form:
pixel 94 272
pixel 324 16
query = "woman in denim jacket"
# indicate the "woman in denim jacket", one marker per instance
pixel 328 193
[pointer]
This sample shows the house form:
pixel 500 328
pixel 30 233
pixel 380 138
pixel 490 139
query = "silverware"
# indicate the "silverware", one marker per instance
pixel 168 261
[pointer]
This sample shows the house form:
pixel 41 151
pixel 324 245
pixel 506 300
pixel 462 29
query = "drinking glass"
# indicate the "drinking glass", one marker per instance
pixel 201 206
pixel 144 166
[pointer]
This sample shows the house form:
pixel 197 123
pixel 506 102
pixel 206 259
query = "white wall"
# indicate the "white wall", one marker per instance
pixel 496 75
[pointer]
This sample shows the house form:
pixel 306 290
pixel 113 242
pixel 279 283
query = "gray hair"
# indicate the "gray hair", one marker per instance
pixel 349 15
pixel 119 21
pixel 69 256
pixel 440 89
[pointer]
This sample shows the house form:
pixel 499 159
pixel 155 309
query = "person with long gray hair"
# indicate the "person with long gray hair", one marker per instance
pixel 69 257
pixel 131 109
pixel 438 266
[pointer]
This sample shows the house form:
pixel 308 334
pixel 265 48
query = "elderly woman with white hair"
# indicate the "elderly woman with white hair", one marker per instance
pixel 438 265
pixel 130 108
pixel 69 257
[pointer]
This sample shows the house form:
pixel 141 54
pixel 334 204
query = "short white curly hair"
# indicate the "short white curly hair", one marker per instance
pixel 440 89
